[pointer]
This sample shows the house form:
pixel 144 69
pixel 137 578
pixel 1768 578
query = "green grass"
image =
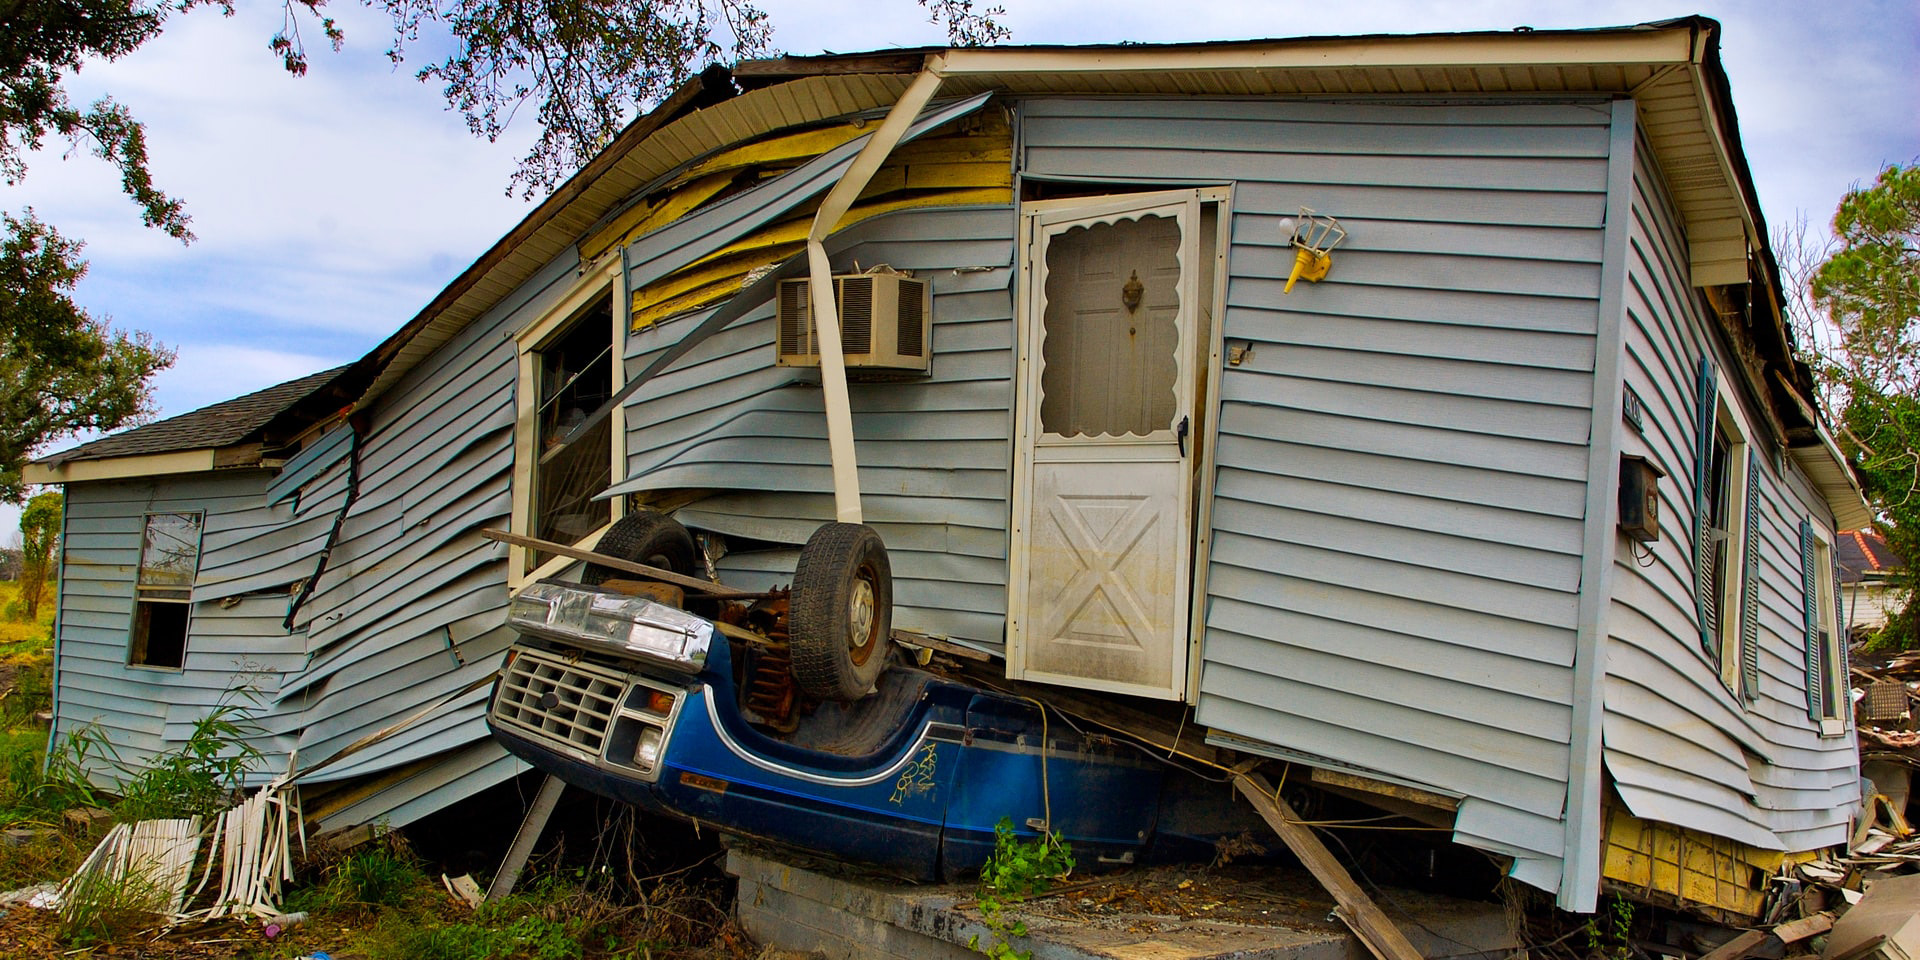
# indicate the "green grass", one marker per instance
pixel 17 639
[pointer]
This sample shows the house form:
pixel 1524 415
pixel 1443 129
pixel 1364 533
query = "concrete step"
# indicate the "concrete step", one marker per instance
pixel 1166 913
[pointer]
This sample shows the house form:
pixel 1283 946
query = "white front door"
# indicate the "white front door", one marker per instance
pixel 1103 485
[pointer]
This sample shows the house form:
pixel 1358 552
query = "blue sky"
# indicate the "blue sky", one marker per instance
pixel 330 208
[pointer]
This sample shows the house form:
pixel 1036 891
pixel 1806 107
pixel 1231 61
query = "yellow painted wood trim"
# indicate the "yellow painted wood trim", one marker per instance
pixel 795 231
pixel 804 145
pixel 700 182
pixel 718 275
pixel 641 219
pixel 1689 865
pixel 121 468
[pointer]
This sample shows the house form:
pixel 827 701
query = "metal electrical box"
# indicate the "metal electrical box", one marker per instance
pixel 1640 497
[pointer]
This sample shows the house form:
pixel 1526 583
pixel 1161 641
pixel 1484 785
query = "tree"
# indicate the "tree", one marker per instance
pixel 1870 289
pixel 39 539
pixel 42 41
pixel 61 371
pixel 589 66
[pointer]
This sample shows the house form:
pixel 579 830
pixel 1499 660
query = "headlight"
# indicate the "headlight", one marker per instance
pixel 646 753
pixel 616 623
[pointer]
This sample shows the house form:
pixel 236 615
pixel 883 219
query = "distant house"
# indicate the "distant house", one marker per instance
pixel 1867 566
pixel 1372 525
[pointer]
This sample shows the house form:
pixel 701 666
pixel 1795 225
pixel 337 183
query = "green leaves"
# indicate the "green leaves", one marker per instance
pixel 1870 288
pixel 1016 870
pixel 61 371
pixel 43 41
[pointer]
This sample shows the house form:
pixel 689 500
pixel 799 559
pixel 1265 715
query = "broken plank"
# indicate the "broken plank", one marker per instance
pixel 1356 909
pixel 1738 948
pixel 707 587
pixel 1804 927
pixel 943 646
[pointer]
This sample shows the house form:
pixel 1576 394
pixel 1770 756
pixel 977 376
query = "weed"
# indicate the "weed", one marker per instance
pixel 98 908
pixel 383 875
pixel 200 777
pixel 1609 933
pixel 1016 870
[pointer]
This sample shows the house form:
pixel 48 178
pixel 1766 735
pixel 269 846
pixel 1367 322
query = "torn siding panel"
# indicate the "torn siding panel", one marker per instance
pixel 310 463
pixel 413 792
pixel 1403 453
pixel 412 605
pixel 1681 747
pixel 933 453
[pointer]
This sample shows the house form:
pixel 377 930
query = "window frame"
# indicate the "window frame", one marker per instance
pixel 1828 704
pixel 145 596
pixel 593 282
pixel 1730 633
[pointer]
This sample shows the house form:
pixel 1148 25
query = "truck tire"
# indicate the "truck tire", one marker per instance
pixel 645 537
pixel 842 615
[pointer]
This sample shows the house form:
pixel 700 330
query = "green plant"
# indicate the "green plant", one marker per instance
pixel 384 873
pixel 31 693
pixel 200 777
pixel 1017 869
pixel 62 784
pixel 1609 932
pixel 98 908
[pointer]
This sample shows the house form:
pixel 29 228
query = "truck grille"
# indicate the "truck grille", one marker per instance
pixel 569 705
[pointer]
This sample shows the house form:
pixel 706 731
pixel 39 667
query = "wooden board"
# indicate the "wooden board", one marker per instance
pixel 707 587
pixel 1356 909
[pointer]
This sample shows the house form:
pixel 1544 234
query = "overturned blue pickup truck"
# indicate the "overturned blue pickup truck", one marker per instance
pixel 742 719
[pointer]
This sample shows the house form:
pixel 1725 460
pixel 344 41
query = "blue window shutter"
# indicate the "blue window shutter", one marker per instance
pixel 1810 603
pixel 1703 422
pixel 1750 585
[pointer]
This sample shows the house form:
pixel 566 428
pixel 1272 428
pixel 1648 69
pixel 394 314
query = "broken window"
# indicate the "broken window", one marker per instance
pixel 569 369
pixel 169 558
pixel 574 377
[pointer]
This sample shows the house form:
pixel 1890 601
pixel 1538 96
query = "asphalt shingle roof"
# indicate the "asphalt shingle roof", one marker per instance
pixel 222 424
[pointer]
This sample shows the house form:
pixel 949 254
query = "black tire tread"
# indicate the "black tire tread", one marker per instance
pixel 821 665
pixel 638 536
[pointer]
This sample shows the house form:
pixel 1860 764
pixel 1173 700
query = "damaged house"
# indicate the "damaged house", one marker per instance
pixel 1416 409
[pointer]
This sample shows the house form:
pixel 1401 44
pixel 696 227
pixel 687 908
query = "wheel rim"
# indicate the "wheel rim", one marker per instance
pixel 861 616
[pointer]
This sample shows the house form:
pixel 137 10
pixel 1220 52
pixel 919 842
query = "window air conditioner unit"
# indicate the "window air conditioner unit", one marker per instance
pixel 884 320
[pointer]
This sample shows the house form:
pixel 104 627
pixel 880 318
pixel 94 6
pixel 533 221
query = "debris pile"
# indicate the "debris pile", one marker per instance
pixel 1861 904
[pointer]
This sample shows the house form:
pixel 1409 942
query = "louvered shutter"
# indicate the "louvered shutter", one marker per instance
pixel 1839 676
pixel 1750 584
pixel 1810 607
pixel 1703 551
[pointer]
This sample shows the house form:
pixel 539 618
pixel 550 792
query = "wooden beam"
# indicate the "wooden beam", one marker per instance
pixel 1354 781
pixel 530 829
pixel 787 68
pixel 1738 948
pixel 626 566
pixel 944 646
pixel 1356 909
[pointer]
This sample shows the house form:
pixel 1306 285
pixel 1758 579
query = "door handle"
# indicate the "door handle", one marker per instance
pixel 1180 436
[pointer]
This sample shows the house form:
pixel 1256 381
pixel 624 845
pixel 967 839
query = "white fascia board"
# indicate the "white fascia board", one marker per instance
pixel 120 468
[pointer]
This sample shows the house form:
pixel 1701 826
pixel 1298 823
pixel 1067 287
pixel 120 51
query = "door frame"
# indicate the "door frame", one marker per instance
pixel 1207 359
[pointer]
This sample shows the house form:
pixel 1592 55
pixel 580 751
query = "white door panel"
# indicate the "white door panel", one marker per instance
pixel 1103 514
